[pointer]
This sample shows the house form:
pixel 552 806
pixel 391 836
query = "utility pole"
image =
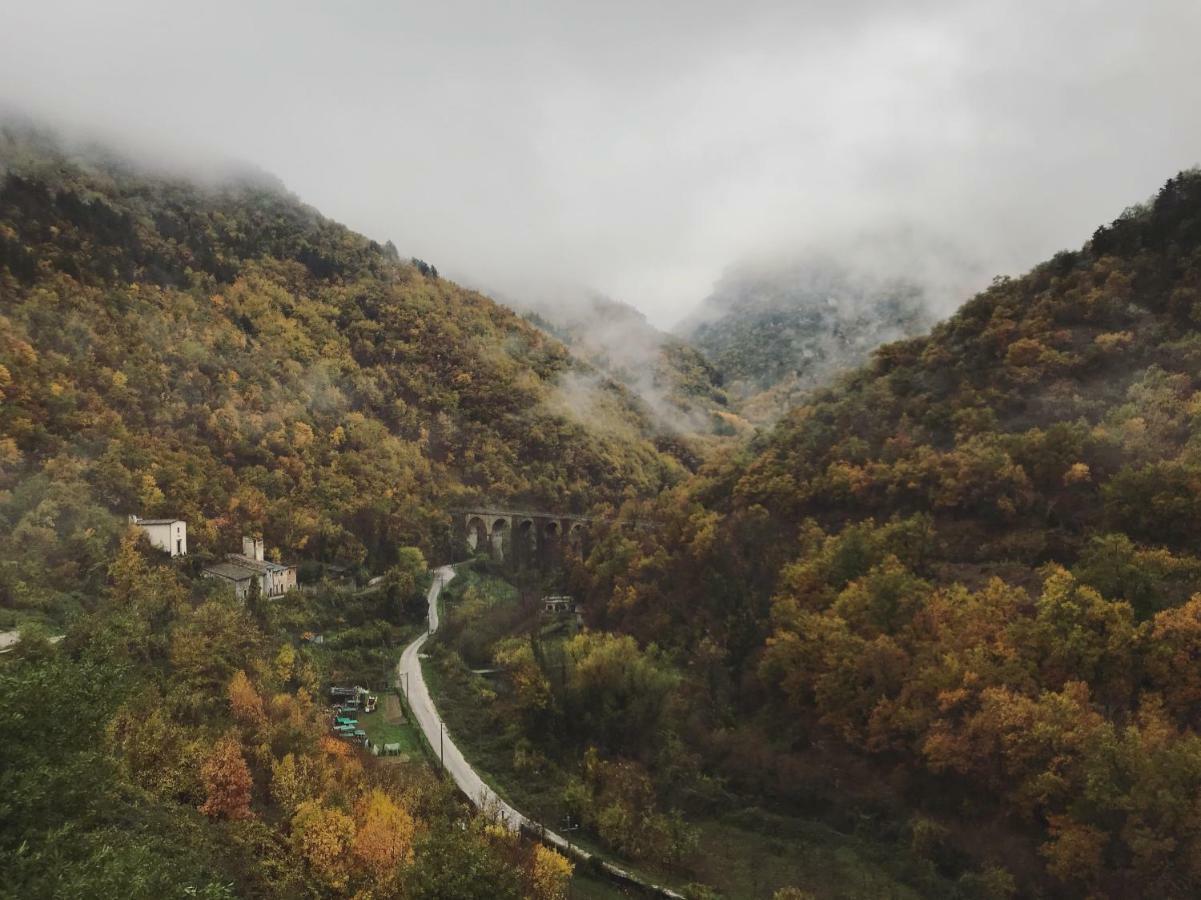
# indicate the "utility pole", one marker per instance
pixel 442 743
pixel 567 830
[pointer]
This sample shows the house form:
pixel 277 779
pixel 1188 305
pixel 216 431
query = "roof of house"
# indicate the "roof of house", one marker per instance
pixel 229 570
pixel 238 559
pixel 158 521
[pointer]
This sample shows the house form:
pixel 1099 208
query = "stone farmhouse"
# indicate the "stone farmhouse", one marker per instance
pixel 240 570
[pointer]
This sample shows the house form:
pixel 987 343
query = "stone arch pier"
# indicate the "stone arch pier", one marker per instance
pixel 522 536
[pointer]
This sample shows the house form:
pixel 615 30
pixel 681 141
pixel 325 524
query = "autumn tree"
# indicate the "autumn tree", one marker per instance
pixel 383 841
pixel 284 664
pixel 531 686
pixel 550 874
pixel 208 645
pixel 400 584
pixel 244 701
pixel 1172 651
pixel 323 837
pixel 616 693
pixel 456 862
pixel 1083 637
pixel 159 753
pixel 792 893
pixel 1075 852
pixel 295 779
pixel 227 781
pixel 147 597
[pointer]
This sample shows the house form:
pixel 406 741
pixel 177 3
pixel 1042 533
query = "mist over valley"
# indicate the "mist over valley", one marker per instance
pixel 475 452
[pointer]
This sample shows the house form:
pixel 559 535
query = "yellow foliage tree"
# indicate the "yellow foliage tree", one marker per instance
pixel 244 700
pixel 284 661
pixel 340 761
pixel 530 685
pixel 295 779
pixel 550 874
pixel 323 837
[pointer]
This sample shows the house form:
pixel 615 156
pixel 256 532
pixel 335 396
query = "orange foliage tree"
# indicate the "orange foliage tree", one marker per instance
pixel 384 840
pixel 227 781
pixel 244 700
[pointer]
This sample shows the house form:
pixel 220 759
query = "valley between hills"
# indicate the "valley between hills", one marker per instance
pixel 864 601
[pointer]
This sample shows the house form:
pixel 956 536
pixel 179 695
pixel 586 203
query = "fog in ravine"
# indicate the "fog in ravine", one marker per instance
pixel 543 151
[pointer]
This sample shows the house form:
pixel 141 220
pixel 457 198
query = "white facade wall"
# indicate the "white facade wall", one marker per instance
pixel 170 537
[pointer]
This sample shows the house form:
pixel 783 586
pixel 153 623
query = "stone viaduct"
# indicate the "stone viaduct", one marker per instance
pixel 522 535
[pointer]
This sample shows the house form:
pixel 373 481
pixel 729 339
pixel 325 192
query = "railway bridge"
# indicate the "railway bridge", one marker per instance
pixel 522 535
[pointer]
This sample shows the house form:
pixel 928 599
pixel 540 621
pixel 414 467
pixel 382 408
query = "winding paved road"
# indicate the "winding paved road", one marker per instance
pixel 409 669
pixel 411 680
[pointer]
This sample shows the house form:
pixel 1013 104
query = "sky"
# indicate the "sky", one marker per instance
pixel 640 149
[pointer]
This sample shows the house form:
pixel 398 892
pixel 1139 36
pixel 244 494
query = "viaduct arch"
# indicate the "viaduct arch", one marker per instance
pixel 523 535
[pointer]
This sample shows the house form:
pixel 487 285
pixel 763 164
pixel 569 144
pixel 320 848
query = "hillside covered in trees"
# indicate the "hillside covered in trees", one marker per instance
pixel 215 350
pixel 218 352
pixel 681 390
pixel 960 589
pixel 777 332
pixel 177 744
pixel 949 605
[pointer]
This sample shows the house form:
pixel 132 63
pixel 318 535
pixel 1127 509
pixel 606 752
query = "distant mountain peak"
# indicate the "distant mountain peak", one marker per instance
pixel 778 331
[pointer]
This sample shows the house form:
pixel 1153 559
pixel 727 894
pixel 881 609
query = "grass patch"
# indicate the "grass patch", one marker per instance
pixel 380 731
pixel 586 885
pixel 477 577
pixel 460 706
pixel 742 862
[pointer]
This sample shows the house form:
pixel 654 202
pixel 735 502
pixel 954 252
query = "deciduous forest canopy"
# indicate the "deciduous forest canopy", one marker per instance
pixel 971 563
pixel 223 354
pixel 950 605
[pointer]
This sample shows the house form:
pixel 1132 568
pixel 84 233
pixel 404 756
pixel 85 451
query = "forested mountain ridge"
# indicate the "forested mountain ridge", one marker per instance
pixel 681 389
pixel 221 353
pixel 972 565
pixel 778 332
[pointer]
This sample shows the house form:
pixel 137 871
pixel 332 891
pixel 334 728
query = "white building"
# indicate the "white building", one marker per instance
pixel 170 535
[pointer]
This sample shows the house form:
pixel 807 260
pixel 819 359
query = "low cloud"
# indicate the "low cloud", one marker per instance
pixel 639 150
